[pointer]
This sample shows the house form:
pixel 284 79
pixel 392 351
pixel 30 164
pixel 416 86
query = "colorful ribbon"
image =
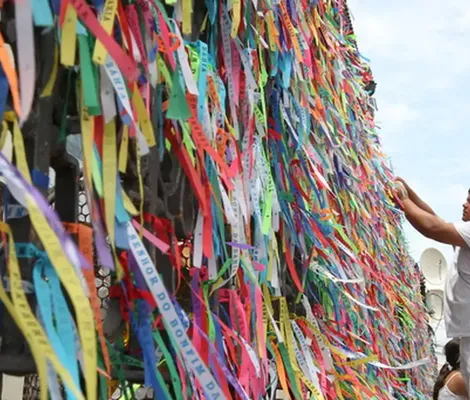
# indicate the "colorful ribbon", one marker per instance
pixel 251 123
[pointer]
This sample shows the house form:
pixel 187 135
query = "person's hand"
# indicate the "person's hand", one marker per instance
pixel 400 190
pixel 403 182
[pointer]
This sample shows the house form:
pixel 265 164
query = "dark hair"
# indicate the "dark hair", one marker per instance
pixel 452 352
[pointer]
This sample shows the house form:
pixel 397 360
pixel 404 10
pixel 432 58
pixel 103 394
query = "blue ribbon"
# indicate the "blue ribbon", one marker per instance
pixel 4 90
pixel 51 302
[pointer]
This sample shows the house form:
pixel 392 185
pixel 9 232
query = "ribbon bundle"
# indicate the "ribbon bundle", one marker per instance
pixel 293 279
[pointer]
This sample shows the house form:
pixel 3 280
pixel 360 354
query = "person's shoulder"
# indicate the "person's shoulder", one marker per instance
pixel 462 225
pixel 456 384
pixel 463 229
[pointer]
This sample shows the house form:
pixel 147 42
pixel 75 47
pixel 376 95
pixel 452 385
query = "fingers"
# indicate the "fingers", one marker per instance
pixel 400 179
pixel 400 193
pixel 401 189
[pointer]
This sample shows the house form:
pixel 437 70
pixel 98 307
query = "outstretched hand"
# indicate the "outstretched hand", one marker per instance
pixel 402 181
pixel 401 191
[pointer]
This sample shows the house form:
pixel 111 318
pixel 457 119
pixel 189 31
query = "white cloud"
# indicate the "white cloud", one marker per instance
pixel 395 115
pixel 429 37
pixel 392 118
pixel 379 31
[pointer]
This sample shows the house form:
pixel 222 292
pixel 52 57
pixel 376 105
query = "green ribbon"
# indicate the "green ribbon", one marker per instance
pixel 178 107
pixel 88 78
pixel 175 380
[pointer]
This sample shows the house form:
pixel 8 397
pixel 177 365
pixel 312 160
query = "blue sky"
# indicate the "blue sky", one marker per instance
pixel 420 59
pixel 421 62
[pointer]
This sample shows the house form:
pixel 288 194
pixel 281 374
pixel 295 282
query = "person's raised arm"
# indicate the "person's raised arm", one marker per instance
pixel 415 198
pixel 428 224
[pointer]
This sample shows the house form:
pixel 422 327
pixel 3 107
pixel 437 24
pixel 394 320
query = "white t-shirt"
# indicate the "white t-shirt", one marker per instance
pixel 457 296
